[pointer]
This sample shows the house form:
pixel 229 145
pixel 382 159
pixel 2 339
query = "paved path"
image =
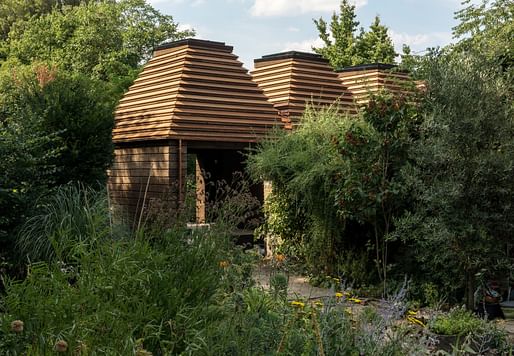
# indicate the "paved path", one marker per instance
pixel 298 286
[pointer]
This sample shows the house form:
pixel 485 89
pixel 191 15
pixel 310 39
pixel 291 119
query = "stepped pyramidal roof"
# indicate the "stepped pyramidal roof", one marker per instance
pixel 292 79
pixel 194 90
pixel 368 79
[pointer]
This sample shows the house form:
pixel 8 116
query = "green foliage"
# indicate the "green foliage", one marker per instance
pixel 462 177
pixel 341 175
pixel 487 28
pixel 343 48
pixel 115 295
pixel 104 40
pixel 71 220
pixel 458 321
pixel 55 128
pixel 12 11
pixel 375 46
pixel 73 108
pixel 284 226
pixel 301 166
pixel 182 292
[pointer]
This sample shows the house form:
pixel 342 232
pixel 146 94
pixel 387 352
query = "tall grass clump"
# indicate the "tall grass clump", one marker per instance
pixel 67 222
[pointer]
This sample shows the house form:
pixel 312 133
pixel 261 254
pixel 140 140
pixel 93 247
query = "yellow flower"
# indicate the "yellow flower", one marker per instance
pixel 411 312
pixel 318 304
pixel 224 264
pixel 355 300
pixel 298 304
pixel 61 346
pixel 17 326
pixel 415 321
pixel 339 295
pixel 280 257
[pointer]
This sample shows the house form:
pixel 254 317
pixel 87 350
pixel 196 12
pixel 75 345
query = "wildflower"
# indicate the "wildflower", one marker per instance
pixel 342 294
pixel 411 312
pixel 318 304
pixel 17 326
pixel 298 304
pixel 61 346
pixel 355 300
pixel 280 257
pixel 414 320
pixel 348 311
pixel 223 264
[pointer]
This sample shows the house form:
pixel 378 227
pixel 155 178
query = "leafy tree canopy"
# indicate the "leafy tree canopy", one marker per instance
pixel 12 11
pixel 102 39
pixel 343 48
pixel 462 178
pixel 487 28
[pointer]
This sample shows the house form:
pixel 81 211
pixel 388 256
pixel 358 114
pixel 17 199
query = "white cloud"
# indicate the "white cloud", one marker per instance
pixel 295 7
pixel 185 27
pixel 303 46
pixel 420 40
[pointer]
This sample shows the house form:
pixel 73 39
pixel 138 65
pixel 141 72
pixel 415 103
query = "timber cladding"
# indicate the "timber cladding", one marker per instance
pixel 292 79
pixel 142 174
pixel 194 90
pixel 365 80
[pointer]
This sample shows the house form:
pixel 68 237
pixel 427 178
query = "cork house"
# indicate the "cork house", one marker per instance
pixel 194 99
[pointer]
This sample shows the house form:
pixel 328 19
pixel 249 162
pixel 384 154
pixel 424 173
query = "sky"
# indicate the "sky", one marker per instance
pixel 260 27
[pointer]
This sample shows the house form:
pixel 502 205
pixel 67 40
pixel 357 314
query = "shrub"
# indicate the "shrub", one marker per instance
pixel 458 321
pixel 475 335
pixel 55 128
pixel 340 178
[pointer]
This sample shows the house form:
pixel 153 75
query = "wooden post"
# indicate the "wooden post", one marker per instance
pixel 200 193
pixel 267 190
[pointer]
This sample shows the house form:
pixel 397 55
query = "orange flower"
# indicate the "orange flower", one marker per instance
pixel 280 257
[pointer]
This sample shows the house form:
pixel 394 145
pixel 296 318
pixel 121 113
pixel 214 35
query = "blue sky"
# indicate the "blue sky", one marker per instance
pixel 260 27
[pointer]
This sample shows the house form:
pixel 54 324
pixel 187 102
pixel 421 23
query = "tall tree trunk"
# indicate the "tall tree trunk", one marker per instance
pixel 470 290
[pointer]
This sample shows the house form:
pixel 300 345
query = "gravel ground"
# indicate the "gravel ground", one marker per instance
pixel 299 287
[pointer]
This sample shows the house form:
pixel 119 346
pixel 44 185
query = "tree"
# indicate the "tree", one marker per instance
pixel 462 179
pixel 369 186
pixel 340 47
pixel 487 28
pixel 375 46
pixel 104 40
pixel 12 11
pixel 71 107
pixel 343 48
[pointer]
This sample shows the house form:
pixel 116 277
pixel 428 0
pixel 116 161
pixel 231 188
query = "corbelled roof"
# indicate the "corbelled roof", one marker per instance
pixel 195 90
pixel 364 80
pixel 291 79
